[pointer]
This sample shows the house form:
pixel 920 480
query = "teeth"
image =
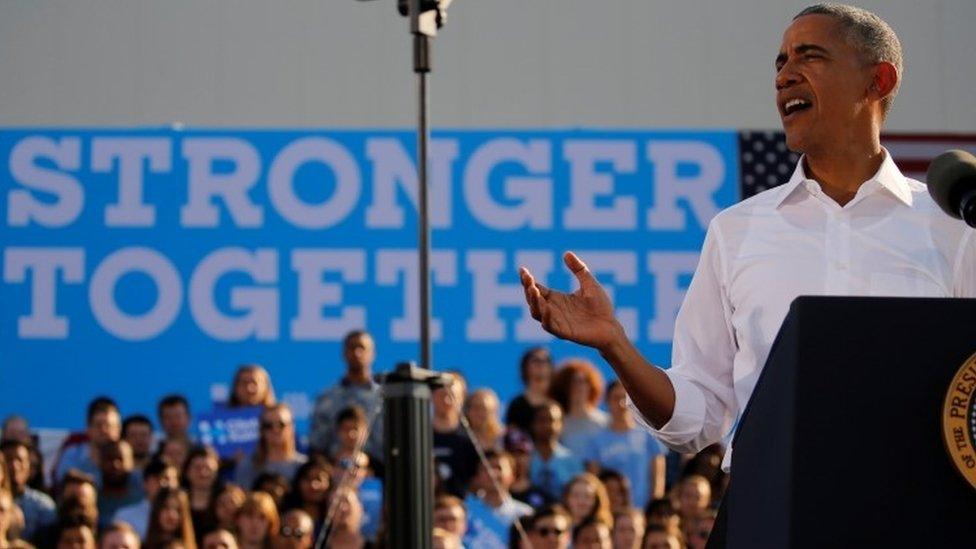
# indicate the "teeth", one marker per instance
pixel 792 103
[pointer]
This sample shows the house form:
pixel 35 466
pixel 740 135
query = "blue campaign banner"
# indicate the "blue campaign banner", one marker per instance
pixel 230 431
pixel 137 263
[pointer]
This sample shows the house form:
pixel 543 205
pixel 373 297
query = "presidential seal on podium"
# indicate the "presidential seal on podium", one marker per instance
pixel 959 420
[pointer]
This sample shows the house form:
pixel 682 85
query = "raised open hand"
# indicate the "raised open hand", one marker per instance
pixel 584 316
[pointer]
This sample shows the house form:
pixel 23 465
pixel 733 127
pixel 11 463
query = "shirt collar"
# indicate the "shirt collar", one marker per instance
pixel 888 177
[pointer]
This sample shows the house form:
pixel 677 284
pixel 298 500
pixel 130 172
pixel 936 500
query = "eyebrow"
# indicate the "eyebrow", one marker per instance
pixel 800 50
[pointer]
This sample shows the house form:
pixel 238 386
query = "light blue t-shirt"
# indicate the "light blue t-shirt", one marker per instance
pixel 630 454
pixel 550 476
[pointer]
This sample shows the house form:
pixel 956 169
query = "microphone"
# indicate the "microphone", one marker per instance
pixel 952 183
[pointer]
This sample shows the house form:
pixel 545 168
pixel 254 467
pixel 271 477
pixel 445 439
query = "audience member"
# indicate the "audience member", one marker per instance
pixel 618 489
pixel 8 536
pixel 658 536
pixel 137 430
pixel 454 454
pixel 553 465
pixel 519 446
pixel 585 497
pixel 201 485
pixel 346 527
pixel 481 411
pixel 296 531
pixel 592 533
pixel 535 369
pixel 549 528
pixel 697 531
pixel 15 427
pixel 275 452
pixel 120 485
pixel 310 489
pixel 104 424
pixel 356 388
pixel 38 508
pixel 157 474
pixel 273 484
pixel 220 538
pixel 578 386
pixel 708 463
pixel 442 539
pixel 77 502
pixel 227 503
pixel 119 535
pixel 492 487
pixel 692 496
pixel 169 520
pixel 257 522
pixel 351 424
pixel 629 449
pixel 75 535
pixel 451 515
pixel 175 451
pixel 174 416
pixel 662 511
pixel 251 387
pixel 628 529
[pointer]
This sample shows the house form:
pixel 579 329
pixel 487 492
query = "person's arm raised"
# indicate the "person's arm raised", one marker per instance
pixel 586 317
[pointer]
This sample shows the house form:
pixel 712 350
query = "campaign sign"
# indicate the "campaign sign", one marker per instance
pixel 230 431
pixel 137 263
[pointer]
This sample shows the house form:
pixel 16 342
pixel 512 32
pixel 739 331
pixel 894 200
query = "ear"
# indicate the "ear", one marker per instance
pixel 885 80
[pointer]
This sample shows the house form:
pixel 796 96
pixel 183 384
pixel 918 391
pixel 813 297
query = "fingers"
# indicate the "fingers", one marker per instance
pixel 579 269
pixel 532 294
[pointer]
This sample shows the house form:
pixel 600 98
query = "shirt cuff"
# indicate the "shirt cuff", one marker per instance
pixel 687 420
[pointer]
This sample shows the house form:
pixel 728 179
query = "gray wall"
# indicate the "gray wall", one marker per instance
pixel 498 63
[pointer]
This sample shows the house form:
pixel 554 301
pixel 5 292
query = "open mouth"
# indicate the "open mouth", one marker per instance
pixel 794 106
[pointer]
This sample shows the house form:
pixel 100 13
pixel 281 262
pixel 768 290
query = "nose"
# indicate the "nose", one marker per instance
pixel 786 77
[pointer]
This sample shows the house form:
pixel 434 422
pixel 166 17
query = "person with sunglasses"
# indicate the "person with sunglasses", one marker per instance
pixel 275 452
pixel 296 531
pixel 549 528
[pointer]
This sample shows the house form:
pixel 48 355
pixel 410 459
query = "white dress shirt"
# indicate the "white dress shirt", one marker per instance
pixel 891 239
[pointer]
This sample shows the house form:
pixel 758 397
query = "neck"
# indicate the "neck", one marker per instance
pixel 359 378
pixel 535 393
pixel 495 498
pixel 546 447
pixel 277 452
pixel 577 409
pixel 446 422
pixel 841 171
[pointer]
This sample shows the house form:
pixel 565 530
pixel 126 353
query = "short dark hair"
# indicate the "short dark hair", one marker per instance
pixel 527 356
pixel 135 419
pixel 12 443
pixel 351 412
pixel 172 400
pixel 869 34
pixel 548 510
pixel 444 501
pixel 100 405
pixel 354 334
pixel 156 467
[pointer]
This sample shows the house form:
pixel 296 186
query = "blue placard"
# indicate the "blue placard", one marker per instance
pixel 137 263
pixel 230 431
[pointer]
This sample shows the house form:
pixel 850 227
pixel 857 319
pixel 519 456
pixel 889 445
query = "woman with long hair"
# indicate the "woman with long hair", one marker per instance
pixel 201 485
pixel 481 410
pixel 257 522
pixel 228 501
pixel 310 489
pixel 585 497
pixel 578 387
pixel 535 370
pixel 345 530
pixel 169 520
pixel 251 387
pixel 275 452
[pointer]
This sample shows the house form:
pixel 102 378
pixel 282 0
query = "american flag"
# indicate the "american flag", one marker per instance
pixel 765 162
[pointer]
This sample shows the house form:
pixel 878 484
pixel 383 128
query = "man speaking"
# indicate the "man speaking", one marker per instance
pixel 846 223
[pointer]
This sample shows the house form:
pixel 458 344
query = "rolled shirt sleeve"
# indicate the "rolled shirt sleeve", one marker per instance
pixel 702 358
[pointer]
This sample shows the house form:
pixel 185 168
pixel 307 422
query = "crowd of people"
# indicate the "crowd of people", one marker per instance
pixel 566 464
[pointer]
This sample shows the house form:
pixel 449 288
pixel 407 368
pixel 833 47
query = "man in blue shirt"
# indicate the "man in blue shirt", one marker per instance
pixel 628 449
pixel 553 465
pixel 38 508
pixel 104 424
